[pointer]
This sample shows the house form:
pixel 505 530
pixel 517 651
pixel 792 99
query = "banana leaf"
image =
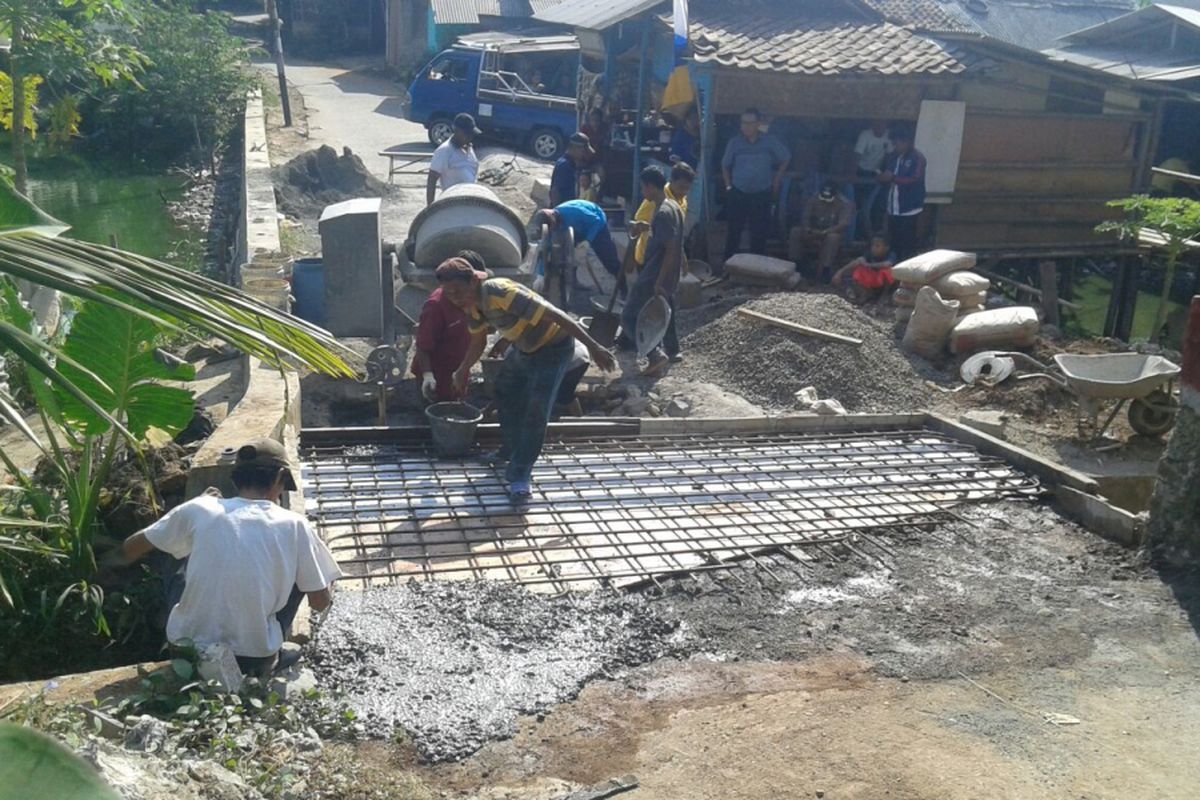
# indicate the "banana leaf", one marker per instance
pixel 34 765
pixel 19 213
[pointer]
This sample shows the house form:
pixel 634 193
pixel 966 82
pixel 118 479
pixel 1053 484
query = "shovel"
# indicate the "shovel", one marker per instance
pixel 605 321
pixel 652 324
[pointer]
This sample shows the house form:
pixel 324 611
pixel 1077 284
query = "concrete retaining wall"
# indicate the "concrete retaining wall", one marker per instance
pixel 259 229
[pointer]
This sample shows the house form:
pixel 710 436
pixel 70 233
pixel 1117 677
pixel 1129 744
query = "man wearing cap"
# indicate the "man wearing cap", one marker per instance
pixel 588 223
pixel 823 226
pixel 249 561
pixel 542 349
pixel 442 340
pixel 564 181
pixel 454 161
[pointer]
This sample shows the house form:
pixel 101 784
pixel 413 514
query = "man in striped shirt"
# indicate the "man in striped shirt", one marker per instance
pixel 542 340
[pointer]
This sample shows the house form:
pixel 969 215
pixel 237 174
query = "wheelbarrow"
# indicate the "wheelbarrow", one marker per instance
pixel 1145 382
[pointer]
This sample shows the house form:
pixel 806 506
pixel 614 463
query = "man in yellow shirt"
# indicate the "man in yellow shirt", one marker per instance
pixel 678 189
pixel 542 349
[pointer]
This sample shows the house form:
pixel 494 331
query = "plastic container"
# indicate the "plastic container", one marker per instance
pixel 308 287
pixel 274 292
pixel 452 426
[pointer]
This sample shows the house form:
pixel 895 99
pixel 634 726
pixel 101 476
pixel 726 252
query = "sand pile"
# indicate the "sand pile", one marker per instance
pixel 768 365
pixel 320 177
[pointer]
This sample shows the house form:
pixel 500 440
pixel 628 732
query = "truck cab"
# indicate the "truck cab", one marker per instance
pixel 520 89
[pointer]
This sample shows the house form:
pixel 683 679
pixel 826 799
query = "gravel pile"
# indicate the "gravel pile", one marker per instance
pixel 768 365
pixel 452 665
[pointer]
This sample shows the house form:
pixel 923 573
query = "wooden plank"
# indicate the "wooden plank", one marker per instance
pixel 988 208
pixel 1001 236
pixel 1030 136
pixel 1048 274
pixel 1056 474
pixel 1087 181
pixel 797 328
pixel 1024 287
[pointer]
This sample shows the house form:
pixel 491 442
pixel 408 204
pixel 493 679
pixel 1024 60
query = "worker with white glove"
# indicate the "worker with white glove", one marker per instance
pixel 441 342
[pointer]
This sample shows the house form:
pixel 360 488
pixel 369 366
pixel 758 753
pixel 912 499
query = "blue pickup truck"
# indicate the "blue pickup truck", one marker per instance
pixel 520 89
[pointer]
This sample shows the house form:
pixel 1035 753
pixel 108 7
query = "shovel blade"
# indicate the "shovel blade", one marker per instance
pixel 652 324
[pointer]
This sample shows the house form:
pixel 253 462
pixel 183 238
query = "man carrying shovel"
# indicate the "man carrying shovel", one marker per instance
pixel 542 339
pixel 659 276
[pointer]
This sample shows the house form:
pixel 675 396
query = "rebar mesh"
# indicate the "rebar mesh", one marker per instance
pixel 623 510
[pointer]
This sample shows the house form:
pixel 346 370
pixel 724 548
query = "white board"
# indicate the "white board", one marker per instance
pixel 939 137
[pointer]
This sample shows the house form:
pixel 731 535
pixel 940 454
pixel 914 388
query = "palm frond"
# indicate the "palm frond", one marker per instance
pixel 172 296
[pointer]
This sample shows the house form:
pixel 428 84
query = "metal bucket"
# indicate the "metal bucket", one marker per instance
pixel 453 427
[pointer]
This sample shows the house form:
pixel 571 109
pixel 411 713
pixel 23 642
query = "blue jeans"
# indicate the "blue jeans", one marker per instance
pixel 525 393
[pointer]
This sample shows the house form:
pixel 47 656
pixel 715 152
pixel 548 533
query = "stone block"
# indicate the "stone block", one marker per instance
pixel 993 423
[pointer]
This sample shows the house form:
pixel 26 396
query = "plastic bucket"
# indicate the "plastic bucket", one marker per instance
pixel 273 292
pixel 453 427
pixel 308 287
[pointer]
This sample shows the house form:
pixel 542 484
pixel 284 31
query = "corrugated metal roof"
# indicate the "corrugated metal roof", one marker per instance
pixel 1133 23
pixel 1138 66
pixel 801 44
pixel 1038 24
pixel 468 12
pixel 595 15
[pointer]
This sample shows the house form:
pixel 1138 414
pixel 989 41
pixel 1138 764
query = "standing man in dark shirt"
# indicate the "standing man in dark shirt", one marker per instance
pixel 442 341
pixel 753 168
pixel 564 181
pixel 905 177
pixel 660 271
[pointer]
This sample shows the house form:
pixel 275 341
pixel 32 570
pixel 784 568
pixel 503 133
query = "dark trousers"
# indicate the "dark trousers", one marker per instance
pixel 175 580
pixel 606 251
pixel 642 293
pixel 525 392
pixel 570 382
pixel 867 195
pixel 747 208
pixel 904 235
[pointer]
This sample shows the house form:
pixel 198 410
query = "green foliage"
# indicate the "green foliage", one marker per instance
pixel 125 377
pixel 18 213
pixel 1173 221
pixel 7 106
pixel 188 98
pixel 34 765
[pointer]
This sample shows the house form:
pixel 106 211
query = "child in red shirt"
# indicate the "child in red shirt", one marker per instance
pixel 870 275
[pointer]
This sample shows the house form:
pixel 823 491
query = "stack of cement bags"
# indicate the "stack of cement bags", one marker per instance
pixel 943 302
pixel 948 272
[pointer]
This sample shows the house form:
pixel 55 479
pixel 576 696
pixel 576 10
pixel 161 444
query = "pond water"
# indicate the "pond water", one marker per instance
pixel 99 202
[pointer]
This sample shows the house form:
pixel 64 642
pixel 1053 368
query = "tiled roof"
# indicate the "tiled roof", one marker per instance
pixel 803 45
pixel 936 16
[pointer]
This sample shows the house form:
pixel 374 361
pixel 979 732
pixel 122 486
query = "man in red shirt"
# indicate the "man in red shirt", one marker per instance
pixel 442 341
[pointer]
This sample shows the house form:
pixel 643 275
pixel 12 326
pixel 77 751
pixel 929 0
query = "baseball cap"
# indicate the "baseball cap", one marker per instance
pixel 455 269
pixel 828 191
pixel 267 453
pixel 580 139
pixel 465 122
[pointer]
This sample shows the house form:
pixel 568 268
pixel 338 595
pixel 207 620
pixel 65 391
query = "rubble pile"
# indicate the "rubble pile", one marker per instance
pixel 320 177
pixel 768 365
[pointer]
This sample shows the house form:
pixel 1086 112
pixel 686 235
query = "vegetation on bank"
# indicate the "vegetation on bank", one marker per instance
pixel 154 82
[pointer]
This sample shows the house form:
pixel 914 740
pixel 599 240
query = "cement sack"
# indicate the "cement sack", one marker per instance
pixel 997 329
pixel 971 301
pixel 762 270
pixel 930 324
pixel 958 285
pixel 905 298
pixel 903 314
pixel 928 267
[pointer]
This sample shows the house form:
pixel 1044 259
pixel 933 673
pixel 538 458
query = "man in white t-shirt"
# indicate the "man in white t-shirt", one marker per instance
pixel 249 562
pixel 454 161
pixel 871 149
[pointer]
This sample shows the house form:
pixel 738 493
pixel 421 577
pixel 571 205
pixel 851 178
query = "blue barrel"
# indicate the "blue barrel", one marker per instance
pixel 308 288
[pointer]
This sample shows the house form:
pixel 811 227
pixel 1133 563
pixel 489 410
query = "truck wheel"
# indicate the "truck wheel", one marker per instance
pixel 1154 414
pixel 439 131
pixel 546 144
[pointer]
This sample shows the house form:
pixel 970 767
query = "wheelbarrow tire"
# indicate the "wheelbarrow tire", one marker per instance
pixel 1154 414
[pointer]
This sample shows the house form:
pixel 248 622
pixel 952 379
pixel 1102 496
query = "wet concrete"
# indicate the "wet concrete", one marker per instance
pixel 452 665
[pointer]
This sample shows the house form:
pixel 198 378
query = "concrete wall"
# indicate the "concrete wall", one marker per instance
pixel 259 226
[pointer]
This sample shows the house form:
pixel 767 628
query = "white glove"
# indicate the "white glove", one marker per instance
pixel 429 386
pixel 539 283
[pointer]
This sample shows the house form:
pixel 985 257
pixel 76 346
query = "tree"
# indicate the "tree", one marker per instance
pixel 1173 221
pixel 65 38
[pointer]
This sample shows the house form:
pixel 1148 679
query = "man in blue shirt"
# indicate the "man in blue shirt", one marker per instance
pixel 753 168
pixel 589 224
pixel 564 181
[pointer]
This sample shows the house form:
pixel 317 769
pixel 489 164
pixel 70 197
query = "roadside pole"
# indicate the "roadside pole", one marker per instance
pixel 277 46
pixel 1174 531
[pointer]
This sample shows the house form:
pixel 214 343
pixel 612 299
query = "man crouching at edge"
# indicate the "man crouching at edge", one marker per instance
pixel 542 346
pixel 249 562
